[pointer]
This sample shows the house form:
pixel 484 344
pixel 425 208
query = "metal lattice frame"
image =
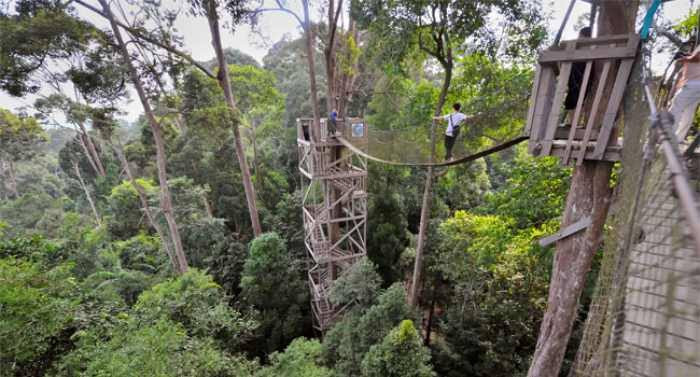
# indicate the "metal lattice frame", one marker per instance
pixel 334 206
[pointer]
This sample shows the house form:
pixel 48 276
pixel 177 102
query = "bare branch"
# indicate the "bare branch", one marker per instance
pixel 334 26
pixel 281 8
pixel 139 35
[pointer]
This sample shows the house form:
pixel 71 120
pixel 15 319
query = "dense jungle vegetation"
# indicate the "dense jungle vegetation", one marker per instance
pixel 129 249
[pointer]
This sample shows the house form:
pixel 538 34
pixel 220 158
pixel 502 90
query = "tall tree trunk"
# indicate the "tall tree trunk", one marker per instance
pixel 308 31
pixel 589 195
pixel 330 53
pixel 4 173
pixel 414 295
pixel 348 77
pixel 165 198
pixel 225 83
pixel 13 178
pixel 164 239
pixel 88 156
pixel 87 193
pixel 95 160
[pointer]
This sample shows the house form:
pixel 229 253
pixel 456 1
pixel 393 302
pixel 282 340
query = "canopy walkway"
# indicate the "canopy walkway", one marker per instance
pixel 460 160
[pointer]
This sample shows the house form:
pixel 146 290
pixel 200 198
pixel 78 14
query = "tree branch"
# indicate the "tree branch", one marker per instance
pixel 281 8
pixel 334 27
pixel 672 37
pixel 139 35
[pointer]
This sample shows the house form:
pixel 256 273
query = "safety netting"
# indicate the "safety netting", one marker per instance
pixel 413 145
pixel 645 315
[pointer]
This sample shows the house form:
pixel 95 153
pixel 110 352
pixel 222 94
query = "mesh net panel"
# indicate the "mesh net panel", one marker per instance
pixel 412 145
pixel 645 316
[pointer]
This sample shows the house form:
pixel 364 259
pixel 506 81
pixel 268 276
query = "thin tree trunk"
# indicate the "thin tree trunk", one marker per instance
pixel 87 193
pixel 347 82
pixel 330 53
pixel 96 161
pixel 414 295
pixel 88 156
pixel 316 130
pixel 164 239
pixel 165 199
pixel 225 83
pixel 589 195
pixel 207 207
pixel 431 315
pixel 13 178
pixel 5 179
pixel 256 162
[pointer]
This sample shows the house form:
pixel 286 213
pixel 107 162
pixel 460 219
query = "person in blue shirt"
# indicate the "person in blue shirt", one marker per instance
pixel 332 122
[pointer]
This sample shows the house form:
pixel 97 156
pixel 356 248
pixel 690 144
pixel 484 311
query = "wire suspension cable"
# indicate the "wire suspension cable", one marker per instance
pixel 461 160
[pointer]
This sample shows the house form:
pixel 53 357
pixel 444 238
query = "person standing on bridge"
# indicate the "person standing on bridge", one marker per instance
pixel 454 122
pixel 687 88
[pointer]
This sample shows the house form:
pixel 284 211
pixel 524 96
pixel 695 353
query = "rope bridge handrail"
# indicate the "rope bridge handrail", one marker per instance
pixel 457 161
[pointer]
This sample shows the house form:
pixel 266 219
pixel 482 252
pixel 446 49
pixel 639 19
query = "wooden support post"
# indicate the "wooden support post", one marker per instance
pixel 566 231
pixel 589 195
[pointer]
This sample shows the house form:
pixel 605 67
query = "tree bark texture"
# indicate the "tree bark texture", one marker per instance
pixel 309 33
pixel 92 154
pixel 87 194
pixel 225 83
pixel 589 195
pixel 165 198
pixel 164 239
pixel 13 178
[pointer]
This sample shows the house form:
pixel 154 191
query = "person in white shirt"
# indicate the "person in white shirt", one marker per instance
pixel 454 121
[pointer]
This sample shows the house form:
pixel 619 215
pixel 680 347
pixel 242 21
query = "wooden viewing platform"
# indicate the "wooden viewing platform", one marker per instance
pixel 602 67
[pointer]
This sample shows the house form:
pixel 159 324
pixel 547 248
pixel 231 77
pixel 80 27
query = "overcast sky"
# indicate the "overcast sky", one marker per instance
pixel 276 25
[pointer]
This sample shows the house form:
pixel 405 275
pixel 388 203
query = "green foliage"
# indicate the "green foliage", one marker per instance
pixel 34 248
pixel 210 247
pixel 400 27
pixel 141 252
pixel 497 275
pixel 286 60
pixel 387 234
pixel 235 56
pixel 400 354
pixel 534 192
pixel 196 302
pixel 36 308
pixel 688 27
pixel 359 284
pixel 346 343
pixel 76 299
pixel 125 218
pixel 162 348
pixel 301 358
pixel 285 220
pixel 272 283
pixel 33 213
pixel 19 136
pixel 37 32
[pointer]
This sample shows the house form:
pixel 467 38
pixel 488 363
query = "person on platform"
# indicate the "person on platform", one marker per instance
pixel 454 122
pixel 687 88
pixel 332 122
pixel 576 82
